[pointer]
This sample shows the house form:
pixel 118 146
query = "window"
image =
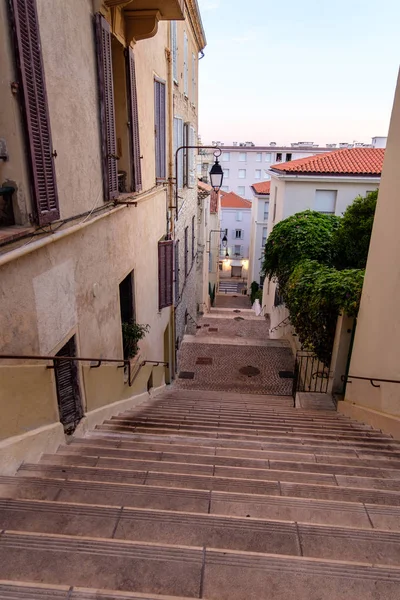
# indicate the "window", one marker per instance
pixel 165 273
pixel 127 308
pixel 193 238
pixel 174 50
pixel 268 157
pixel 242 173
pixel 37 121
pixel 238 234
pixel 220 265
pixel 279 157
pixel 288 157
pixel 189 156
pixel 225 188
pixel 241 190
pixel 242 156
pixel 176 280
pixel 266 211
pixel 239 215
pixel 186 256
pixel 275 198
pixel 258 174
pixel 194 86
pixel 178 141
pixel 237 250
pixel 136 168
pixel 67 387
pixel 185 65
pixel 159 128
pixel 226 156
pixel 259 157
pixel 267 176
pixel 226 173
pixel 325 201
pixel 264 237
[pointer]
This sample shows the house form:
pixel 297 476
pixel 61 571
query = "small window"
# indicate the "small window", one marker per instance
pixel 325 201
pixel 258 174
pixel 238 250
pixel 160 129
pixel 268 157
pixel 279 157
pixel 241 190
pixel 275 198
pixel 239 215
pixel 267 176
pixel 238 234
pixel 242 173
pixel 226 173
pixel 266 211
pixel 226 156
pixel 225 188
pixel 242 156
pixel 288 157
pixel 264 237
pixel 220 265
pixel 193 238
pixel 259 157
pixel 186 251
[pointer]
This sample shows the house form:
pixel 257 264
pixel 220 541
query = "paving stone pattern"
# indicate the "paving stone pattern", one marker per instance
pixel 249 329
pixel 226 301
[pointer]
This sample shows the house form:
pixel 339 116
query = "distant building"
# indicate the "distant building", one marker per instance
pixel 236 223
pixel 259 228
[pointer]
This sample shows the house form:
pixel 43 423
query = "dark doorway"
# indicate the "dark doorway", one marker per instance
pixel 127 303
pixel 67 384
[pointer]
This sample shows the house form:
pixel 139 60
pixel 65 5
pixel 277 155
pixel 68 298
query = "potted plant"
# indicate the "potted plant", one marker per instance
pixel 132 333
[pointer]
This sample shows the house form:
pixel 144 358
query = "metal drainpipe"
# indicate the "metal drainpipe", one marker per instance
pixel 170 196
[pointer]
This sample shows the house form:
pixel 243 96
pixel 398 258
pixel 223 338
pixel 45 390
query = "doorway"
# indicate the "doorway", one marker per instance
pixel 67 385
pixel 236 272
pixel 127 304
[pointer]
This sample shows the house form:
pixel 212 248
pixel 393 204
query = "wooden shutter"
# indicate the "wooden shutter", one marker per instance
pixel 177 289
pixel 193 237
pixel 185 65
pixel 165 273
pixel 107 110
pixel 36 112
pixel 134 123
pixel 174 49
pixel 186 251
pixel 159 127
pixel 67 384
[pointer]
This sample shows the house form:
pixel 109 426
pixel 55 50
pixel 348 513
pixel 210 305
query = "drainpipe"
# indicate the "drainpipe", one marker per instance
pixel 170 194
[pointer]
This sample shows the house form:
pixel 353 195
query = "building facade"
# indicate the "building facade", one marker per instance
pixel 87 205
pixel 236 224
pixel 326 183
pixel 259 229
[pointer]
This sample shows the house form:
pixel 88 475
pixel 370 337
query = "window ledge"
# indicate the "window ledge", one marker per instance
pixel 14 232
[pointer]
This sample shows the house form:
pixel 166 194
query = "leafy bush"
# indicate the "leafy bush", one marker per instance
pixel 132 333
pixel 351 239
pixel 254 289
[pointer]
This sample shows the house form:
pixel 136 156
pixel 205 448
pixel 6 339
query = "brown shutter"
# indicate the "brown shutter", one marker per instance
pixel 30 65
pixel 134 123
pixel 165 273
pixel 107 111
pixel 160 133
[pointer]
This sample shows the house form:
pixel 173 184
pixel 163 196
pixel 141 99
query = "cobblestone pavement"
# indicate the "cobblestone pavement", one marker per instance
pixel 227 301
pixel 222 373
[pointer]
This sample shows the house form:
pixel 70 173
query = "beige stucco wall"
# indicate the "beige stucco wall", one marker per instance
pixel 376 344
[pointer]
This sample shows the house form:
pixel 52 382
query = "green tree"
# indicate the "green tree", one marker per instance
pixel 352 238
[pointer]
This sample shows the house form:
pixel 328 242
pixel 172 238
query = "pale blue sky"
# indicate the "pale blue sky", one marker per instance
pixel 298 70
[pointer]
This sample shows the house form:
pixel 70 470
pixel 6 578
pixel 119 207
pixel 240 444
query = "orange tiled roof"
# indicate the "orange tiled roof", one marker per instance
pixel 232 200
pixel 349 161
pixel 262 188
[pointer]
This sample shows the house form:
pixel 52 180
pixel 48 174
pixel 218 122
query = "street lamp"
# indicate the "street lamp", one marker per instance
pixel 216 174
pixel 224 241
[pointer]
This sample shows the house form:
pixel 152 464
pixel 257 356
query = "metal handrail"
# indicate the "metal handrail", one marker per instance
pixel 346 378
pixel 95 362
pixel 281 324
pixel 188 315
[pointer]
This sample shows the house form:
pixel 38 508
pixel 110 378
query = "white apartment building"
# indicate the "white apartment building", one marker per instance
pixel 258 228
pixel 236 224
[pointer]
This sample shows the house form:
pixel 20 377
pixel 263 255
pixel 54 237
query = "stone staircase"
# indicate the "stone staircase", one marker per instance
pixel 207 495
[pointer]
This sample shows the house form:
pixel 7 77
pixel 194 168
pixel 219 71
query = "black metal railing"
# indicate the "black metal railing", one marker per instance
pixel 283 323
pixel 346 379
pixel 310 374
pixel 95 363
pixel 189 317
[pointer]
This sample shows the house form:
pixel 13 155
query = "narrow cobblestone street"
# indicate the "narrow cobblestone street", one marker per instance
pixel 232 352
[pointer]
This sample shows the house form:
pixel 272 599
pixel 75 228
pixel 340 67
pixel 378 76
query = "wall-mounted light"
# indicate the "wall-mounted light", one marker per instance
pixel 216 173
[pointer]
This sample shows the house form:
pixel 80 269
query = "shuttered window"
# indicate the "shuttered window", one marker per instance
pixel 159 127
pixel 134 123
pixel 186 257
pixel 185 64
pixel 33 86
pixel 107 109
pixel 178 142
pixel 165 273
pixel 67 384
pixel 193 237
pixel 194 86
pixel 176 272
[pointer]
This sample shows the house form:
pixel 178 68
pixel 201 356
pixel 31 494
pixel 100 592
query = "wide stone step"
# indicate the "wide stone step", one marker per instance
pixel 97 456
pixel 209 432
pixel 189 571
pixel 190 529
pixel 265 506
pixel 15 590
pixel 195 441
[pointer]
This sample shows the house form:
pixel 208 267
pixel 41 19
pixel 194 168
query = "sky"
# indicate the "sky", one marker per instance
pixel 298 70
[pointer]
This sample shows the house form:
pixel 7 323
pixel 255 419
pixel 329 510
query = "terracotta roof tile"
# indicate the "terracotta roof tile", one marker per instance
pixel 262 188
pixel 349 161
pixel 232 200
